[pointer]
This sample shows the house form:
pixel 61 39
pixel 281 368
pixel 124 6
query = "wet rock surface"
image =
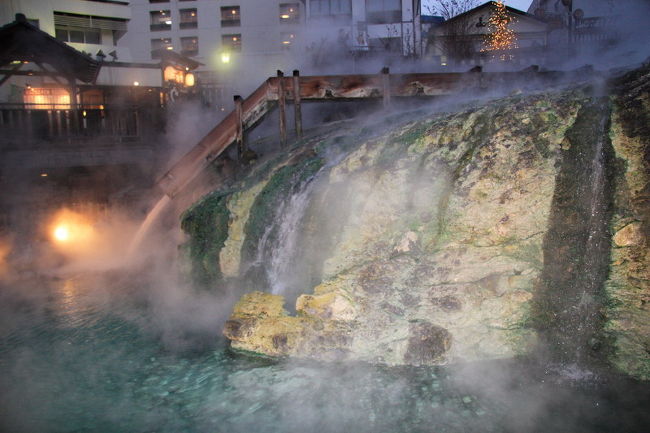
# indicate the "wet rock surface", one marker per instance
pixel 423 240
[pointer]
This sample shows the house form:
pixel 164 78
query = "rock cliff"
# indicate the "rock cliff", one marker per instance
pixel 430 238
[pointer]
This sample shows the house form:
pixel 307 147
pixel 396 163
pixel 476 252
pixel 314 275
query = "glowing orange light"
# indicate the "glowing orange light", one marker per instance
pixel 70 229
pixel 62 233
pixel 189 79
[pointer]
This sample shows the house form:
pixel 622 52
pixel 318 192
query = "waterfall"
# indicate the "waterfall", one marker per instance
pixel 286 250
pixel 576 247
pixel 146 225
pixel 596 247
pixel 278 249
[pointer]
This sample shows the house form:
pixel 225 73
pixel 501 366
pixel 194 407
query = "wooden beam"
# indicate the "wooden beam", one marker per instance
pixel 239 113
pixel 332 87
pixel 31 73
pixel 385 86
pixel 281 108
pixel 296 103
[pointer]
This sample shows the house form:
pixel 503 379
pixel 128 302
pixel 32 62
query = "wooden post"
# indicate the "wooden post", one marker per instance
pixel 239 111
pixel 74 112
pixel 296 103
pixel 281 107
pixel 385 84
pixel 50 123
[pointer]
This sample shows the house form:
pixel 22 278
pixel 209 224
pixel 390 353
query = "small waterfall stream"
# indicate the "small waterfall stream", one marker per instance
pixel 286 249
pixel 146 225
pixel 279 248
pixel 577 245
pixel 595 248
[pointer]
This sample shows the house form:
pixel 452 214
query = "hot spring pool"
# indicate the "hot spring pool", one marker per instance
pixel 75 359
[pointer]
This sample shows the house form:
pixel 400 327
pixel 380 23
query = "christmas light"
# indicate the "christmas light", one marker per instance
pixel 500 37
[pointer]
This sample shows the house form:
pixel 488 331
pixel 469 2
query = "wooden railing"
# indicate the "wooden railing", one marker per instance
pixel 275 91
pixel 29 125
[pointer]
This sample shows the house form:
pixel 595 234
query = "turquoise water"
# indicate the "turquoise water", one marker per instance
pixel 81 359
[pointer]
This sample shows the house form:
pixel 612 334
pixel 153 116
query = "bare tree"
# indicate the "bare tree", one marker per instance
pixel 455 40
pixel 450 8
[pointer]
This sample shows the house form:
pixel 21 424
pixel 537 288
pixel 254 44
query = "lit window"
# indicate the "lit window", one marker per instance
pixel 160 20
pixel 45 98
pixel 288 39
pixel 231 42
pixel 158 44
pixel 190 46
pixel 189 19
pixel 230 16
pixel 289 12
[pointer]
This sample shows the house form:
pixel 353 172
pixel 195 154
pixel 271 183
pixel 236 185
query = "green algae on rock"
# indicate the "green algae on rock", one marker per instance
pixel 441 241
pixel 431 241
pixel 628 286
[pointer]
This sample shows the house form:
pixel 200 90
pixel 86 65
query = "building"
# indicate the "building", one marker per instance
pixel 74 127
pixel 368 25
pixel 461 39
pixel 239 42
pixel 583 24
pixel 88 26
pixel 242 42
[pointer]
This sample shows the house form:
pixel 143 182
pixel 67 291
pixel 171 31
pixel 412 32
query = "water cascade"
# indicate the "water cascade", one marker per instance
pixel 578 242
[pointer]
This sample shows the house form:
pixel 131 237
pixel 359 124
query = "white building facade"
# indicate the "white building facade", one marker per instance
pixel 86 25
pixel 241 42
pixel 95 27
pixel 379 25
pixel 237 41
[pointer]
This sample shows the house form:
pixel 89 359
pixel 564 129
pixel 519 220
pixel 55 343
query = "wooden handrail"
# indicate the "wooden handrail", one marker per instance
pixel 332 88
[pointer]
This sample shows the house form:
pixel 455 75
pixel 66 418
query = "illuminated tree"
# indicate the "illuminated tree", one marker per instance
pixel 500 36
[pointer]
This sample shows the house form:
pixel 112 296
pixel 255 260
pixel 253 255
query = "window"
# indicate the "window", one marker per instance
pixel 190 46
pixel 158 44
pixel 161 20
pixel 383 11
pixel 289 12
pixel 288 40
pixel 231 42
pixel 230 16
pixel 331 7
pixel 88 29
pixel 189 19
pixel 47 98
pixel 78 35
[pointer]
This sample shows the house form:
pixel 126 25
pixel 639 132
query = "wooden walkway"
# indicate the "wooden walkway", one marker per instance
pixel 276 91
